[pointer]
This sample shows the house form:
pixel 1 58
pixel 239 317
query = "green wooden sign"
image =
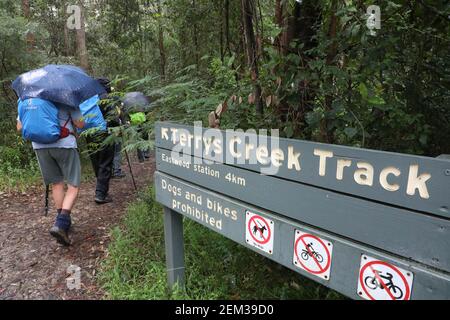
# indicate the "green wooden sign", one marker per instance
pixel 369 224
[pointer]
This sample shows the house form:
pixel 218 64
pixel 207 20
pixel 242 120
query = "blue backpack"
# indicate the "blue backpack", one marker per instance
pixel 39 120
pixel 92 115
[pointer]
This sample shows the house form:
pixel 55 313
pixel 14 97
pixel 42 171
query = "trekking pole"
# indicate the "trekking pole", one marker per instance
pixel 131 171
pixel 47 191
pixel 126 153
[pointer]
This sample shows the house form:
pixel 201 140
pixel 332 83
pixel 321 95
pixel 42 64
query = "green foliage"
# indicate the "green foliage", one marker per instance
pixel 216 268
pixel 389 91
pixel 17 164
pixel 17 170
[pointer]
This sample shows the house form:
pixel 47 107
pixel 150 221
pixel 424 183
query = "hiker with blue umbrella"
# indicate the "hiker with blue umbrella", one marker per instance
pixel 49 113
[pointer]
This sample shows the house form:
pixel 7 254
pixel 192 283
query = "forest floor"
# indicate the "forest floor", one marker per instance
pixel 34 266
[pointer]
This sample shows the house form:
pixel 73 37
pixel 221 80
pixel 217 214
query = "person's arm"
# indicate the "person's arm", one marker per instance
pixel 77 119
pixel 19 125
pixel 78 123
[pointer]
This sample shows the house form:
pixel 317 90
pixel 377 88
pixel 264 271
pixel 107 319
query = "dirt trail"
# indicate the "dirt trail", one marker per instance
pixel 34 266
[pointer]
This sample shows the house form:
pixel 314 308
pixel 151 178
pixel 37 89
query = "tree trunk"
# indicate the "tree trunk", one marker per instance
pixel 279 21
pixel 222 49
pixel 68 45
pixel 252 56
pixel 297 25
pixel 31 40
pixel 325 132
pixel 81 42
pixel 195 34
pixel 162 50
pixel 66 41
pixel 26 8
pixel 227 27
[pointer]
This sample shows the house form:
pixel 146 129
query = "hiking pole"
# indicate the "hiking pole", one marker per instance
pixel 47 191
pixel 131 171
pixel 123 143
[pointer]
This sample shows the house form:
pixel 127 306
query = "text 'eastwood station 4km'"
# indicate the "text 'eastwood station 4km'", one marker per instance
pixel 249 148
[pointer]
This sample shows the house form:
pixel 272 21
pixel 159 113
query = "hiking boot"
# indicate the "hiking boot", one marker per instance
pixel 67 224
pixel 61 236
pixel 119 175
pixel 61 228
pixel 103 200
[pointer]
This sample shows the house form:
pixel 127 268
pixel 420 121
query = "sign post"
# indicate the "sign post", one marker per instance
pixel 173 235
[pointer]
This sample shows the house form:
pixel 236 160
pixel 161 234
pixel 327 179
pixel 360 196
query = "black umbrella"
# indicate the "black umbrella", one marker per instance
pixel 136 102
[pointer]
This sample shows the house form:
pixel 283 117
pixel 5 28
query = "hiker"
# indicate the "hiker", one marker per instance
pixel 101 154
pixel 59 161
pixel 138 119
pixel 143 153
pixel 136 104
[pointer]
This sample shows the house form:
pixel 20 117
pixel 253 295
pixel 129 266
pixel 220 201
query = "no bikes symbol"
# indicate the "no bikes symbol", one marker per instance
pixel 383 282
pixel 310 252
pixel 313 254
pixel 379 280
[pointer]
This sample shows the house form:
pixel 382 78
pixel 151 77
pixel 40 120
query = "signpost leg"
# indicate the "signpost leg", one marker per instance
pixel 173 233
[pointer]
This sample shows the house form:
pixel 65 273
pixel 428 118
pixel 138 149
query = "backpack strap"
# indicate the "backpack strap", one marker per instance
pixel 67 122
pixel 65 127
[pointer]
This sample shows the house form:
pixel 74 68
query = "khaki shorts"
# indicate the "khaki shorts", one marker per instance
pixel 60 165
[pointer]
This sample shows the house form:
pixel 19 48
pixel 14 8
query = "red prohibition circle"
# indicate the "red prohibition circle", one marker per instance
pixel 363 269
pixel 321 270
pixel 250 229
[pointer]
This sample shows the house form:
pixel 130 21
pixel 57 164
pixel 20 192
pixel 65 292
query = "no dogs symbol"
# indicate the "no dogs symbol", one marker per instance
pixel 379 280
pixel 313 254
pixel 259 232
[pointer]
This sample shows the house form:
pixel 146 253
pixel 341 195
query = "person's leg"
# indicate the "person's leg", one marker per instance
pixel 58 195
pixel 94 160
pixel 117 162
pixel 147 154
pixel 141 151
pixel 93 154
pixel 141 156
pixel 105 163
pixel 70 198
pixel 52 175
pixel 146 150
pixel 69 163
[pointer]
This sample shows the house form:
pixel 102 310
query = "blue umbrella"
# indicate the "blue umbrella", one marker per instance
pixel 64 84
